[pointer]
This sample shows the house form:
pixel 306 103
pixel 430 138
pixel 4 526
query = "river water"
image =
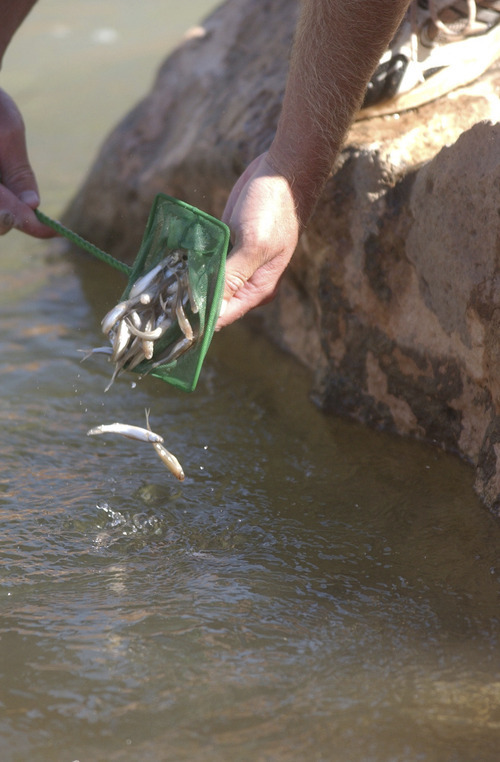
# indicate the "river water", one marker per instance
pixel 312 591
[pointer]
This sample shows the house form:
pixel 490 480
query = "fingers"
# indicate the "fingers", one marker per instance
pixel 18 188
pixel 25 220
pixel 240 303
pixel 16 214
pixel 262 216
pixel 15 170
pixel 251 281
pixel 18 177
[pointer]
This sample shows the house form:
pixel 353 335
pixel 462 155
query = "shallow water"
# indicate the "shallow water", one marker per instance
pixel 312 591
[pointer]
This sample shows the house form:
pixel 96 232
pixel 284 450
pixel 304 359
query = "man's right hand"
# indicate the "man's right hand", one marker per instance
pixel 18 187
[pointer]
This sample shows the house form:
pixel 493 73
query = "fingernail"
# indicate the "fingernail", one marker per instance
pixel 223 307
pixel 30 198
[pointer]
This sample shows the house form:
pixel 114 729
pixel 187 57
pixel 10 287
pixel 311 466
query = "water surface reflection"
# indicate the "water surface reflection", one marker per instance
pixel 311 591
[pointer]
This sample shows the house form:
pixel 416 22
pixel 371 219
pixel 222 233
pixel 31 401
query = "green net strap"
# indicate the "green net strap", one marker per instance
pixel 83 244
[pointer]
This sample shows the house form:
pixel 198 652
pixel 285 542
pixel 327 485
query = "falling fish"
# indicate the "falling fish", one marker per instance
pixel 170 460
pixel 131 432
pixel 142 435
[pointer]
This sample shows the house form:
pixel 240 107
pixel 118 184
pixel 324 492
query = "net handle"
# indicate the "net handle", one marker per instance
pixel 83 244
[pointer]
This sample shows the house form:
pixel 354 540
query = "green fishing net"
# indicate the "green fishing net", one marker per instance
pixel 175 227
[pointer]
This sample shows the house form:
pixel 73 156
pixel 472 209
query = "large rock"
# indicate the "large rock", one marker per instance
pixel 393 296
pixel 213 107
pixel 402 298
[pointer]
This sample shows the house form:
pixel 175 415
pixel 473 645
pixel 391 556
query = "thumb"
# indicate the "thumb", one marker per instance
pixel 239 268
pixel 15 169
pixel 19 178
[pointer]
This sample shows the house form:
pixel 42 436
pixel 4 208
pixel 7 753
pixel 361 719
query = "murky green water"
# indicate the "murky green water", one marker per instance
pixel 312 591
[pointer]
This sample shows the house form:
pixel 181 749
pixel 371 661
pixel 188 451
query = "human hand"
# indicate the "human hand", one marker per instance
pixel 261 214
pixel 18 187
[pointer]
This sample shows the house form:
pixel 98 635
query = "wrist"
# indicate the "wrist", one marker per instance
pixel 305 172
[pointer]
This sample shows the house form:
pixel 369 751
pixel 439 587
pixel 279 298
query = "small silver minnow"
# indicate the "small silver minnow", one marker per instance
pixel 151 335
pixel 135 318
pixel 145 280
pixel 175 352
pixel 131 432
pixel 184 323
pixel 148 347
pixel 121 340
pixel 116 372
pixel 170 460
pixel 95 351
pixel 186 283
pixel 136 355
pixel 114 315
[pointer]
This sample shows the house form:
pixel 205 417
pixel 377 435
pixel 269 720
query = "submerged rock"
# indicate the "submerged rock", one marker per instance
pixel 393 296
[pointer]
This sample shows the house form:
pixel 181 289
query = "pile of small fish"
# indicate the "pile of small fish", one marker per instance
pixel 156 301
pixel 143 435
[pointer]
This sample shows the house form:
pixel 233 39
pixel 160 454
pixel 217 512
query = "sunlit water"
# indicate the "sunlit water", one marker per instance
pixel 312 591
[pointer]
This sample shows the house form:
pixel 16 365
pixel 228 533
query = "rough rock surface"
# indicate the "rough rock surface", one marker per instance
pixel 393 297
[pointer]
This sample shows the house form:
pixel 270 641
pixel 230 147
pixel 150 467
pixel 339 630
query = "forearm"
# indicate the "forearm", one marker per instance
pixel 12 14
pixel 337 46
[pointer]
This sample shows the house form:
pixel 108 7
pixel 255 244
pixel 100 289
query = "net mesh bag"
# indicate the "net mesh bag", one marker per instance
pixel 197 243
